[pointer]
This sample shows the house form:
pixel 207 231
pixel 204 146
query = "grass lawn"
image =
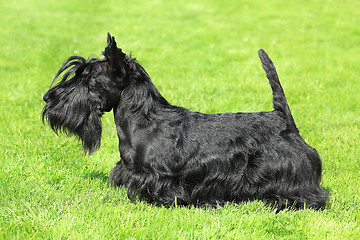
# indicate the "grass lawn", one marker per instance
pixel 201 55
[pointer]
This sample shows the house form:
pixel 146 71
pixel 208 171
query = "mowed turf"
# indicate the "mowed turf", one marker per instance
pixel 201 55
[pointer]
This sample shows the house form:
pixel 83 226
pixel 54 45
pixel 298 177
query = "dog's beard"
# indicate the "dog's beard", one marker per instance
pixel 69 110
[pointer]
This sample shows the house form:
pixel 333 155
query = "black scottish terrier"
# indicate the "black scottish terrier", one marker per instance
pixel 170 154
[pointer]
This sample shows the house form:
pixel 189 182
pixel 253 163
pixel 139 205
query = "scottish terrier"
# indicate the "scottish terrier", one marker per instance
pixel 173 155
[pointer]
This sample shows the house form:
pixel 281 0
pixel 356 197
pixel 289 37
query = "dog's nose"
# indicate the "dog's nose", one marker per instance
pixel 46 97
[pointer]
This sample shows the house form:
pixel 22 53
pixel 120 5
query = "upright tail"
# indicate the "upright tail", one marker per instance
pixel 279 99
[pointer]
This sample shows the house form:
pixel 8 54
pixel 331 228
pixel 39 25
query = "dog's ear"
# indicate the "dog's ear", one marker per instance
pixel 112 53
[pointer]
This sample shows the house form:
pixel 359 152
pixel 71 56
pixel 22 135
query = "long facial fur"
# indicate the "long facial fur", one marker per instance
pixel 70 109
pixel 88 88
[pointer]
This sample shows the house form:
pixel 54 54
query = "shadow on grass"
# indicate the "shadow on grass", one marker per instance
pixel 103 177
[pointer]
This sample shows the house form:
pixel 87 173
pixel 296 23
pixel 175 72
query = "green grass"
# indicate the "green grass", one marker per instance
pixel 201 55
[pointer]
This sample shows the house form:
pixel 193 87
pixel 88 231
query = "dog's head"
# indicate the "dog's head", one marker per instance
pixel 87 89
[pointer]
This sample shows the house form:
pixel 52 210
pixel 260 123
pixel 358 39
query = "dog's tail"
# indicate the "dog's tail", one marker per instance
pixel 279 99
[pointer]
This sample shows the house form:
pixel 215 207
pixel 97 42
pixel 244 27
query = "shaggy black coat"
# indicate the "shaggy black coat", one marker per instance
pixel 169 153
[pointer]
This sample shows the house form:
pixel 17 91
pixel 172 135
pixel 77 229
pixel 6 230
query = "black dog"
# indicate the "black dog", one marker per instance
pixel 170 154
